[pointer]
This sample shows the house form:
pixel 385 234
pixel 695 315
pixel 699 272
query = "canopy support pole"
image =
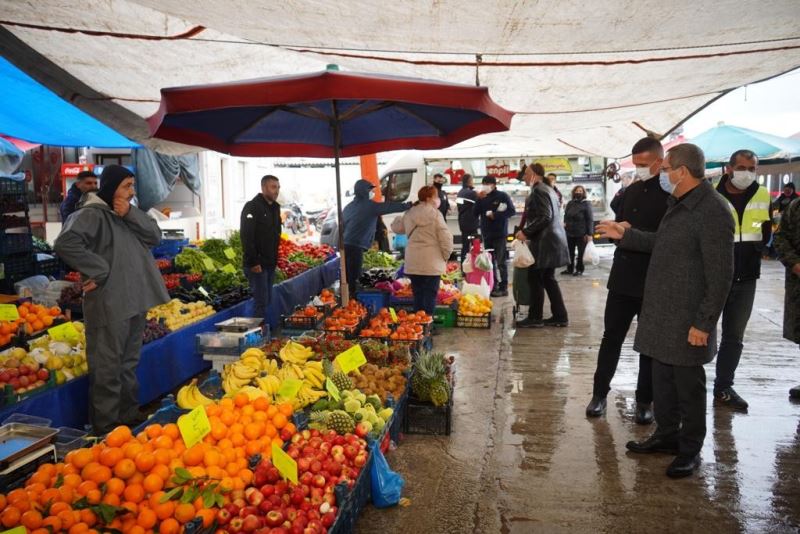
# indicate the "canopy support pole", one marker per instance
pixel 337 135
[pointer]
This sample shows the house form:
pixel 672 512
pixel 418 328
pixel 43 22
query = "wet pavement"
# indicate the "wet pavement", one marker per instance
pixel 522 457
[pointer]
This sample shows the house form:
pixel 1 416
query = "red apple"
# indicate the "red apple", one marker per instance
pixel 251 523
pixel 239 502
pixel 23 381
pixel 303 464
pixel 24 370
pixel 296 438
pixel 286 434
pixel 274 518
pixel 308 433
pixel 306 478
pixel 325 448
pixel 43 374
pixel 276 500
pixel 232 509
pixel 294 454
pixel 281 487
pixel 248 510
pixel 223 517
pixel 313 514
pixel 319 481
pixel 267 490
pixel 329 499
pixel 253 496
pixel 360 459
pixel 315 467
pixel 300 522
pixel 265 507
pixel 328 519
pixel 14 382
pixel 298 496
pixel 350 452
pixel 273 475
pixel 5 376
pixel 278 530
pixel 235 525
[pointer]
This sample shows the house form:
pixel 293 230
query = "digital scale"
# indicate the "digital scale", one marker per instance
pixel 23 448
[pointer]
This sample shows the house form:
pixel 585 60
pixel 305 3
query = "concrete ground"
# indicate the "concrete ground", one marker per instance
pixel 522 457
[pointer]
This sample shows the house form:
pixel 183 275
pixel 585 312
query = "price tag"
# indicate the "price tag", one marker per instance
pixel 351 359
pixel 202 290
pixel 209 264
pixel 194 426
pixel 228 268
pixel 393 315
pixel 64 332
pixel 289 388
pixel 16 530
pixel 284 463
pixel 229 253
pixel 9 312
pixel 333 391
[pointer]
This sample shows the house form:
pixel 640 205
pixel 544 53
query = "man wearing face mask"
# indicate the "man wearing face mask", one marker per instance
pixel 643 205
pixel 749 205
pixel 467 217
pixel 495 208
pixel 444 204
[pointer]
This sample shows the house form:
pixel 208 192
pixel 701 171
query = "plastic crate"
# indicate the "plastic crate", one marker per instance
pixel 228 343
pixel 27 420
pixel 11 397
pixel 15 243
pixel 169 248
pixel 48 267
pixel 18 268
pixel 401 303
pixel 69 439
pixel 300 322
pixel 424 418
pixel 9 186
pixel 373 300
pixel 474 321
pixel 444 317
pixel 351 502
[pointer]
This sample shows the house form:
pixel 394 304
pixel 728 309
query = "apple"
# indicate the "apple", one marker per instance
pixel 306 489
pixel 297 437
pixel 329 499
pixel 300 522
pixel 361 430
pixel 298 496
pixel 350 452
pixel 319 481
pixel 315 526
pixel 251 523
pixel 314 434
pixel 43 374
pixel 328 519
pixel 239 502
pixel 337 449
pixel 306 506
pixel 248 510
pixel 303 464
pixel 278 530
pixel 309 451
pixel 339 440
pixel 267 490
pixel 265 507
pixel 281 487
pixel 276 500
pixel 24 370
pixel 273 475
pixel 315 467
pixel 253 496
pixel 5 375
pixel 360 459
pixel 223 516
pixel 294 454
pixel 14 383
pixel 306 478
pixel 12 363
pixel 286 434
pixel 274 518
pixel 235 525
pixel 313 514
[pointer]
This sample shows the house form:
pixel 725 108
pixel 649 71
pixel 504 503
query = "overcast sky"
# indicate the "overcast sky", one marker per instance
pixel 772 107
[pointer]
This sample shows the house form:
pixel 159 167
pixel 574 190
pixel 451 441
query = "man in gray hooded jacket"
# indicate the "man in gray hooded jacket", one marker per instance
pixel 108 241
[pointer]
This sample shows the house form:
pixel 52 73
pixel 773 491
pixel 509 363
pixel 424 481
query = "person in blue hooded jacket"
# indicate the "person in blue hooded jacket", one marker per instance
pixel 360 220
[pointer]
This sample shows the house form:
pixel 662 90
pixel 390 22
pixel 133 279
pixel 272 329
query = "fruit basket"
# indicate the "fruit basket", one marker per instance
pixel 474 321
pixel 303 318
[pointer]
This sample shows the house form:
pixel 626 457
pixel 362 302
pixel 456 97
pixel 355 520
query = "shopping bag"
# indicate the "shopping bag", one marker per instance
pixel 590 255
pixel 387 486
pixel 466 265
pixel 522 255
pixel 484 261
pixel 482 289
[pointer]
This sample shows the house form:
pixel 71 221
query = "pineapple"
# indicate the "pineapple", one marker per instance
pixel 340 379
pixel 429 370
pixel 318 420
pixel 340 422
pixel 440 392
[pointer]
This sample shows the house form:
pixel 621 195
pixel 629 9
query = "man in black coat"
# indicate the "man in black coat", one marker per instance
pixel 444 204
pixel 467 217
pixel 543 231
pixel 643 205
pixel 495 208
pixel 260 227
pixel 85 182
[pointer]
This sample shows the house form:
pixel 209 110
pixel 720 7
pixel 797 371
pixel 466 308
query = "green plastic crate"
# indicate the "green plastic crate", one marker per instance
pixel 444 316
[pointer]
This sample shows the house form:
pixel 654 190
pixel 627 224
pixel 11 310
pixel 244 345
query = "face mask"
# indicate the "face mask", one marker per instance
pixel 666 185
pixel 486 189
pixel 371 195
pixel 579 196
pixel 437 185
pixel 643 173
pixel 743 179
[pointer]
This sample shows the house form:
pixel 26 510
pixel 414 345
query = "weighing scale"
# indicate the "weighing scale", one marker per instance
pixel 23 448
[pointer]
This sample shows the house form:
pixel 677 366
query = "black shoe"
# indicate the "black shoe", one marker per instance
pixel 683 466
pixel 644 413
pixel 653 444
pixel 729 397
pixel 596 407
pixel 499 293
pixel 794 393
pixel 552 321
pixel 530 323
pixel 566 271
pixel 577 273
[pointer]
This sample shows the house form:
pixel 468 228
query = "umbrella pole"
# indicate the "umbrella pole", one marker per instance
pixel 345 290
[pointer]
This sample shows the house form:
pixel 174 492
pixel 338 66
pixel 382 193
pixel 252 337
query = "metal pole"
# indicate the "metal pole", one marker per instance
pixel 342 265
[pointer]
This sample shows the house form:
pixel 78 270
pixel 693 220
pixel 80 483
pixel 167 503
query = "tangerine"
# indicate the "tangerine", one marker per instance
pixel 153 431
pixel 133 493
pixel 280 421
pixel 144 461
pixel 31 519
pixel 110 456
pixel 194 455
pixel 125 468
pixel 54 522
pixel 169 526
pixel 10 516
pixel 171 430
pixel 153 483
pixel 147 518
pixel 241 400
pixel 163 442
pixel 80 458
pixel 164 510
pixel 184 513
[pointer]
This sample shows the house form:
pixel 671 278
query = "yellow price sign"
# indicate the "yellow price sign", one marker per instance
pixel 228 268
pixel 209 264
pixel 16 530
pixel 393 315
pixel 229 253
pixel 64 332
pixel 289 388
pixel 194 426
pixel 284 463
pixel 9 312
pixel 351 359
pixel 333 391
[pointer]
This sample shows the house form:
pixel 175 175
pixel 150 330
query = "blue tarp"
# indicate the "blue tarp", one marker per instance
pixel 30 111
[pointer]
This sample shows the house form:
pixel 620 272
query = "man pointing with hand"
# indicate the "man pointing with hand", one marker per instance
pixel 688 281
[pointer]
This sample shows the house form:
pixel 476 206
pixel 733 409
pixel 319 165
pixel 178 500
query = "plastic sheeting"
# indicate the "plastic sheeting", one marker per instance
pixel 10 157
pixel 582 78
pixel 157 175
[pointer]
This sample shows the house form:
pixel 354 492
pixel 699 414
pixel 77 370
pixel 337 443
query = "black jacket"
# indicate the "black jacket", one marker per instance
pixel 497 226
pixel 643 204
pixel 70 203
pixel 746 254
pixel 782 202
pixel 260 227
pixel 578 218
pixel 542 226
pixel 467 217
pixel 444 204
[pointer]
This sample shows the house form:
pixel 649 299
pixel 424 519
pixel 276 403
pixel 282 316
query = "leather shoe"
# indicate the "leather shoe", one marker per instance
pixel 644 413
pixel 530 323
pixel 566 271
pixel 596 407
pixel 552 321
pixel 794 393
pixel 499 293
pixel 653 444
pixel 683 466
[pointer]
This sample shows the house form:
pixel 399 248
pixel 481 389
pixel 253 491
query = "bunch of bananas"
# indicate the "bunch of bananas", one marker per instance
pixel 295 353
pixel 190 397
pixel 307 396
pixel 237 375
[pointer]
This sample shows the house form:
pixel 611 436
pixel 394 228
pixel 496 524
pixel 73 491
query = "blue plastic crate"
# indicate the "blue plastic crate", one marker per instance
pixel 169 248
pixel 15 243
pixel 373 300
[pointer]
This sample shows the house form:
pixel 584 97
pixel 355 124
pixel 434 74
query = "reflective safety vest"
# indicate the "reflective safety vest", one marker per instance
pixel 755 214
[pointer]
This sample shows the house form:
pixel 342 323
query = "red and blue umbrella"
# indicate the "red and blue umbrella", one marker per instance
pixel 326 114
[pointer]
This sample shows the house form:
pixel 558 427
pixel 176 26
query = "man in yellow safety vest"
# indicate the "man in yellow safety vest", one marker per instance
pixel 749 204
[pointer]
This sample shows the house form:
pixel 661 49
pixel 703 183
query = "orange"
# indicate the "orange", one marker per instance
pixel 272 411
pixel 154 499
pixel 162 471
pixel 194 455
pixel 132 507
pixel 11 515
pixel 261 404
pixel 136 529
pixel 111 499
pixel 137 478
pixel 278 442
pixel 3 501
pixel 72 480
pixel 237 440
pixel 226 483
pixel 164 510
pixel 163 442
pixel 286 409
pixel 88 517
pixel 253 431
pixel 162 456
pixel 31 519
pixel 115 486
pixel 212 458
pixel 248 410
pixel 153 431
pixel 169 526
pixel 103 474
pixel 271 430
pixel 144 461
pixel 132 448
pixel 79 528
pixel 184 512
pixel 291 428
pixel 207 515
pixel 246 476
pixel 110 456
pixel 241 400
pixel 53 522
pixel 147 518
pixel 59 507
pixel 80 458
pixel 171 430
pixel 47 321
pixel 86 486
pixel 219 430
pixel 252 447
pixel 48 495
pixel 125 469
pixel 67 519
pixel 134 493
pixel 279 421
pixel 118 437
pixel 94 496
pixel 66 493
pixel 153 483
pixel 227 417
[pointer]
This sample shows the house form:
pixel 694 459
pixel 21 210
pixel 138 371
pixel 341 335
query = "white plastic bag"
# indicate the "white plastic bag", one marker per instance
pixel 481 290
pixel 590 255
pixel 522 255
pixel 466 265
pixel 483 261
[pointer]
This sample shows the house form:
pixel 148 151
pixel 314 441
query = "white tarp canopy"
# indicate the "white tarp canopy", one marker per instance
pixel 584 77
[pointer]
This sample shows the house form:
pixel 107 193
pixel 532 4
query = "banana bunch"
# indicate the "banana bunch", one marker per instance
pixel 269 384
pixel 253 393
pixel 254 358
pixel 237 375
pixel 295 353
pixel 270 366
pixel 307 396
pixel 314 375
pixel 190 397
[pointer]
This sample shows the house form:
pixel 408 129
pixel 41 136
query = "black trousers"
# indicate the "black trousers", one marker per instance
pixel 541 281
pixel 679 405
pixel 620 311
pixel 499 260
pixel 580 244
pixel 353 260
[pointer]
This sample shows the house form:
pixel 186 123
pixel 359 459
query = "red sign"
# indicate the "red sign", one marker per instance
pixel 71 170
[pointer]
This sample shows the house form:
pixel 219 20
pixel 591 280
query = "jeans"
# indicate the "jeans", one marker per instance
pixel 734 321
pixel 679 405
pixel 620 311
pixel 573 242
pixel 541 281
pixel 499 260
pixel 261 286
pixel 425 289
pixel 354 258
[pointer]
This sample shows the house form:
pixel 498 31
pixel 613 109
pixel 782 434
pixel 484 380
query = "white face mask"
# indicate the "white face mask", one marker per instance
pixel 643 173
pixel 743 179
pixel 371 195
